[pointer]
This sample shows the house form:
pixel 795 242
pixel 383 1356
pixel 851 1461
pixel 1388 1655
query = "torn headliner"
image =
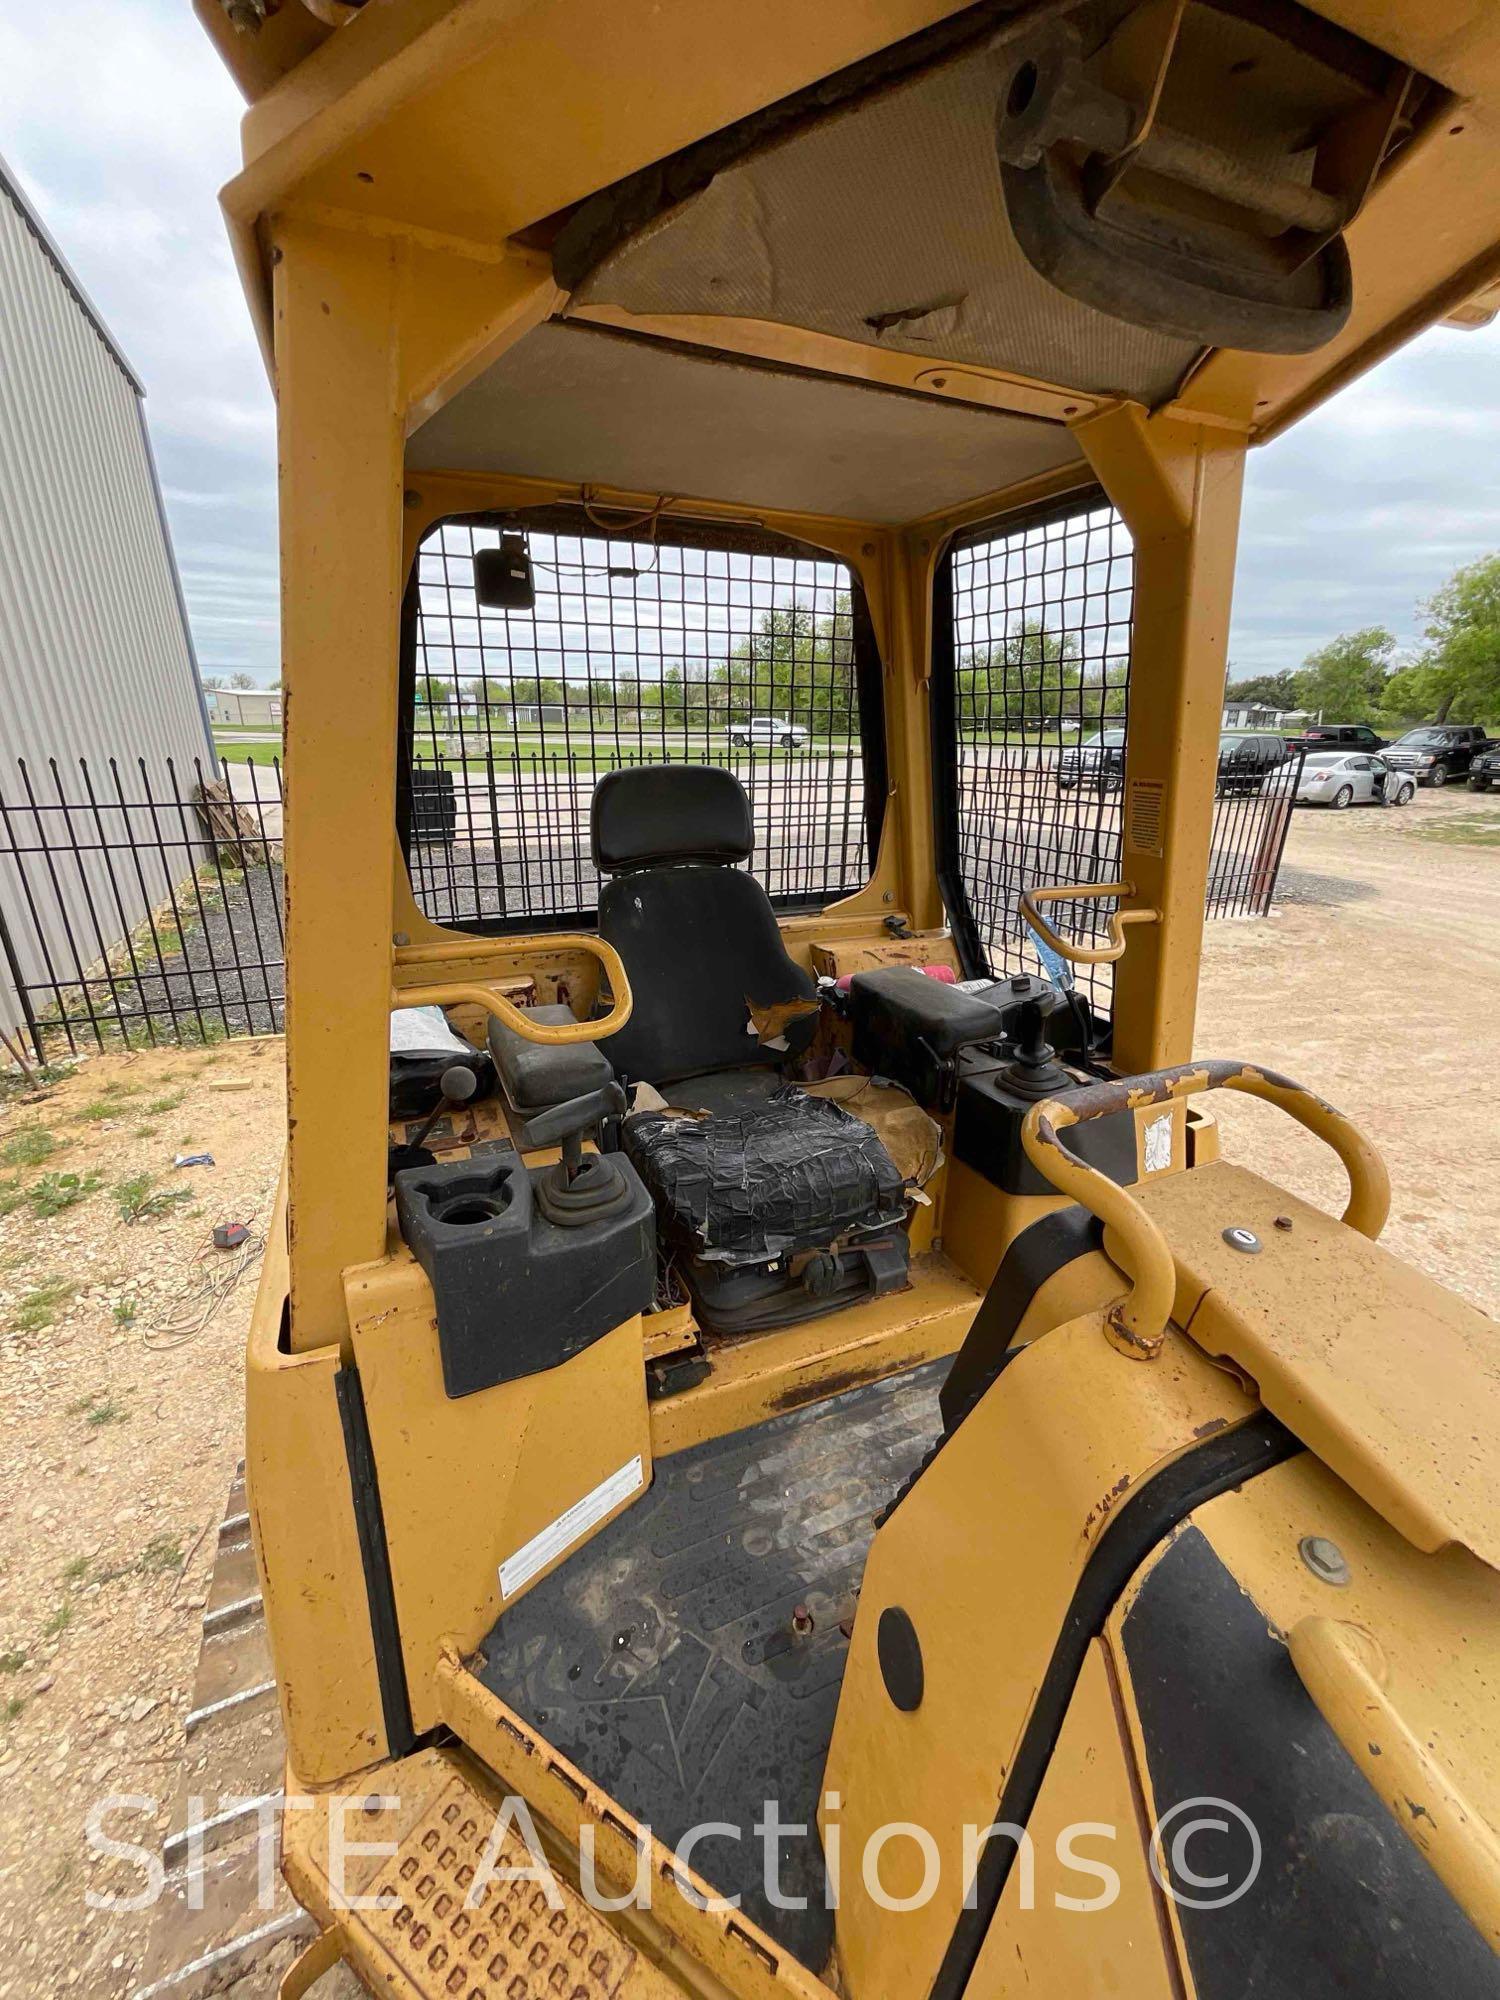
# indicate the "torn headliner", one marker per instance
pixel 584 404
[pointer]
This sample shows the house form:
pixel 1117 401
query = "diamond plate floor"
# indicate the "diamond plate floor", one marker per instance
pixel 667 1658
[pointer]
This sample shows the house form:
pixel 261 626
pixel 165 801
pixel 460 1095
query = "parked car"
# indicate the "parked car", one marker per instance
pixel 1484 771
pixel 1341 778
pixel 1247 759
pixel 1438 751
pixel 1342 736
pixel 766 730
pixel 1098 761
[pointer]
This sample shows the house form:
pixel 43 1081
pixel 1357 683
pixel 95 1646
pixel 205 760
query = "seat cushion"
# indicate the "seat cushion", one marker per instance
pixel 701 946
pixel 795 1174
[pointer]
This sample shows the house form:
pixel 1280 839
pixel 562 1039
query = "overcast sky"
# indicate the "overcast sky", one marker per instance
pixel 121 123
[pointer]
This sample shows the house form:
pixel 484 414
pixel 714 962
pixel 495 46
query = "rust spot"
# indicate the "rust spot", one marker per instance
pixel 813 1391
pixel 1214 1424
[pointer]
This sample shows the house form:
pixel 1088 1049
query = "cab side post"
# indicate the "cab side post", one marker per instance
pixel 341 437
pixel 1176 481
pixel 373 333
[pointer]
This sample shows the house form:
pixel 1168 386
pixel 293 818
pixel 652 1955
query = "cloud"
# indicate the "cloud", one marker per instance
pixel 123 124
pixel 1358 514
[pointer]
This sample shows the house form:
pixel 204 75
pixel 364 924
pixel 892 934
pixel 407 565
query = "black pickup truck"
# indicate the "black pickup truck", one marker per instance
pixel 1437 752
pixel 1485 769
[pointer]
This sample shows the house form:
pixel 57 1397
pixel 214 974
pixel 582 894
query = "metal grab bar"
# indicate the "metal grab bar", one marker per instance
pixel 1077 892
pixel 550 1034
pixel 1137 1324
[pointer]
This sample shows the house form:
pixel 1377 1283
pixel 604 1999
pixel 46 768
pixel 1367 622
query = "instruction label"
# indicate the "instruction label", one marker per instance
pixel 560 1535
pixel 1157 1149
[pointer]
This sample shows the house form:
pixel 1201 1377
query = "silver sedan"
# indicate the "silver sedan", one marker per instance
pixel 1340 778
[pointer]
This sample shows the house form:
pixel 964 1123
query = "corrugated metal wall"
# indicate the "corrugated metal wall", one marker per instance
pixel 95 657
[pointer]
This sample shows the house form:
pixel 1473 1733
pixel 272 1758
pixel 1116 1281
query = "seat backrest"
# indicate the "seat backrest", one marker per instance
pixel 697 934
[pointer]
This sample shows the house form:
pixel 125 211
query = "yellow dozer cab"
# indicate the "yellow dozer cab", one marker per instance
pixel 783 1457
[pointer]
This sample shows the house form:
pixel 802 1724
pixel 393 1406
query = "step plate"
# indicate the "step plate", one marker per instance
pixel 501 1941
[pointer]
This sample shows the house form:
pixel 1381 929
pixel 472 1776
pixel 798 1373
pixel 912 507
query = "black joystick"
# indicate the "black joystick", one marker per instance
pixel 578 1190
pixel 1034 1070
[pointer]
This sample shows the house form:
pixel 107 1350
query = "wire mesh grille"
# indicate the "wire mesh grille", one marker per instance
pixel 1041 683
pixel 638 651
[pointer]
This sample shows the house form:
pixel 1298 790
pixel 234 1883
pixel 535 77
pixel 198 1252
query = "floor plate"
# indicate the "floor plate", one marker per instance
pixel 689 1657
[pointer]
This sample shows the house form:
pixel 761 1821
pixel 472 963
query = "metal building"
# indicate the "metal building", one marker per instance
pixel 96 661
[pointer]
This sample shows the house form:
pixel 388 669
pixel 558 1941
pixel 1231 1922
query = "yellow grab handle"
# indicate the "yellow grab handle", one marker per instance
pixel 1082 892
pixel 525 1024
pixel 1344 1670
pixel 322 1955
pixel 1138 1323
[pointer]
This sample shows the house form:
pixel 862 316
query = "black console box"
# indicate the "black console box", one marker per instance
pixel 516 1293
pixel 987 1131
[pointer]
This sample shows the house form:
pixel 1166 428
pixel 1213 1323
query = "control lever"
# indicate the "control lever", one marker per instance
pixel 458 1084
pixel 577 1190
pixel 1034 1070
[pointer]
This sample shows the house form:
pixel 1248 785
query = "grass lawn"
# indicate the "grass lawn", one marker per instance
pixel 261 750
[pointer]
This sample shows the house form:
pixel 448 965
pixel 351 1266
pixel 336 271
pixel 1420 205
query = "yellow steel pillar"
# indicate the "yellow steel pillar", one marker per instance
pixel 909 565
pixel 1176 481
pixel 373 332
pixel 341 440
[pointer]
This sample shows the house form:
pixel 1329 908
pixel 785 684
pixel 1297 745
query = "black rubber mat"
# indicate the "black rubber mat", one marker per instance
pixel 666 1660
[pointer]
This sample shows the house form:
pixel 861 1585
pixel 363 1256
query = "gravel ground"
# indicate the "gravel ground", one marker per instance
pixel 217 984
pixel 1384 1000
pixel 116 1454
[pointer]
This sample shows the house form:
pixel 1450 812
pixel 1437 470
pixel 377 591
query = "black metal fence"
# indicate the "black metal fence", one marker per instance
pixel 139 906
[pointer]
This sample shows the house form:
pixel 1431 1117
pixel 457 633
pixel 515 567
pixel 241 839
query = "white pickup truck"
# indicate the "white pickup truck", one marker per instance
pixel 767 729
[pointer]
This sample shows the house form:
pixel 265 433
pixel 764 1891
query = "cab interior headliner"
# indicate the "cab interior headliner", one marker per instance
pixel 589 405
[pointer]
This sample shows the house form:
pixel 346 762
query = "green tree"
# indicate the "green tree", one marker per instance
pixel 1462 670
pixel 433 693
pixel 1345 681
pixel 1272 690
pixel 796 665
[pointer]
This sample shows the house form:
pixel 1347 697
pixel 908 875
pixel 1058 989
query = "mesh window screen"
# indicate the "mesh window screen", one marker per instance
pixel 640 650
pixel 1031 729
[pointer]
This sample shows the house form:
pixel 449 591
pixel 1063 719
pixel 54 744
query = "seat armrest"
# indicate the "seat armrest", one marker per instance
pixel 911 1028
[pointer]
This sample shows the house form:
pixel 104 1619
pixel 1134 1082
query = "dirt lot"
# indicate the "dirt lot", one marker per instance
pixel 120 1426
pixel 1377 980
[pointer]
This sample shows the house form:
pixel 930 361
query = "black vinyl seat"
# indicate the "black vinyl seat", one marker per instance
pixel 775 1205
pixel 698 935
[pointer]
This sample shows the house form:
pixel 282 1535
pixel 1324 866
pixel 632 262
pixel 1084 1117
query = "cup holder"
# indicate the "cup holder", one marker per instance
pixel 474 1206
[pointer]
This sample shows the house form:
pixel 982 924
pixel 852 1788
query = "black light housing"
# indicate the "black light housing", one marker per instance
pixel 502 577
